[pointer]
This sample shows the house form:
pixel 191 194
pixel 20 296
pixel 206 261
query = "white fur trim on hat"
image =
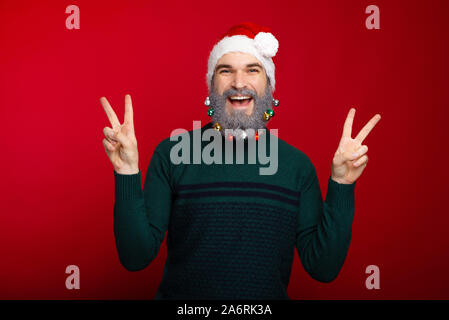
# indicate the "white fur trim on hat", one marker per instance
pixel 264 46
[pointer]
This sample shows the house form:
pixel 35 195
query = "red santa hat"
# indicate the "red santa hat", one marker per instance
pixel 249 38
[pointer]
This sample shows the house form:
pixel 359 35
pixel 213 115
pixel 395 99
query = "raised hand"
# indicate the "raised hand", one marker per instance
pixel 120 141
pixel 350 159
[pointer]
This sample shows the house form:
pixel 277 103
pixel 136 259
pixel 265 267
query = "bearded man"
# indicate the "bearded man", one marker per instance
pixel 232 232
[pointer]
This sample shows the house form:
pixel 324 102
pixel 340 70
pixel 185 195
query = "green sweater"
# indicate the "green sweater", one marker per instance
pixel 231 231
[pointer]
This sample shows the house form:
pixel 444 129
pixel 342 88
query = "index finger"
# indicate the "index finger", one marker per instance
pixel 367 128
pixel 110 113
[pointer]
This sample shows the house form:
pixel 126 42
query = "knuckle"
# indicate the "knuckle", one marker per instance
pixel 125 143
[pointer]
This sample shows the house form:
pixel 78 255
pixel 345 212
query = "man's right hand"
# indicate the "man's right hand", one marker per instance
pixel 120 141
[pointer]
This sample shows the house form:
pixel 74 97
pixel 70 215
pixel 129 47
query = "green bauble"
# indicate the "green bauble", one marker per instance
pixel 270 112
pixel 210 112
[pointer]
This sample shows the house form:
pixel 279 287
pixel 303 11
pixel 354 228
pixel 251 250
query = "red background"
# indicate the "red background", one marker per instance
pixel 57 183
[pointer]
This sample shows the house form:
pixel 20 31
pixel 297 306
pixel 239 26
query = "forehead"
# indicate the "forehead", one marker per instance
pixel 238 59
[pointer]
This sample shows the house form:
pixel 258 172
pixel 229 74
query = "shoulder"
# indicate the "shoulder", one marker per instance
pixel 164 147
pixel 291 154
pixel 178 135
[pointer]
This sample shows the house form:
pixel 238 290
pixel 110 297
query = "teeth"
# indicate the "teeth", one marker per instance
pixel 239 97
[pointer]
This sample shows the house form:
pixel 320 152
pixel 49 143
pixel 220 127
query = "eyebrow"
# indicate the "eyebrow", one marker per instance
pixel 220 66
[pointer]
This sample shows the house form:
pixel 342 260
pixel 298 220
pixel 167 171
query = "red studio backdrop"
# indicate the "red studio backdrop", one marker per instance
pixel 57 185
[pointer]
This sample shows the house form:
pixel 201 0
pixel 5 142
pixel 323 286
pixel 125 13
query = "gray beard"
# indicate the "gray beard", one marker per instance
pixel 238 120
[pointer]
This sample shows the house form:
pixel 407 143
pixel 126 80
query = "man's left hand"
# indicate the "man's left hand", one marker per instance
pixel 350 159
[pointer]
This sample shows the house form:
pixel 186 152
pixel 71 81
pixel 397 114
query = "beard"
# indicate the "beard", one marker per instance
pixel 238 122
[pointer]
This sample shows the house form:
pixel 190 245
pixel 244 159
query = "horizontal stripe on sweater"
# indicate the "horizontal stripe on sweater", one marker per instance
pixel 190 191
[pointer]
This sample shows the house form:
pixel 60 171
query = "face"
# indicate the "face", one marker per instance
pixel 240 92
pixel 239 71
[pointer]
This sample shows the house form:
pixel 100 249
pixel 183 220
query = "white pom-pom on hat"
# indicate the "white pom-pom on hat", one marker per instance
pixel 266 43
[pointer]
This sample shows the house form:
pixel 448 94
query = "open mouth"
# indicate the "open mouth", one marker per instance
pixel 240 101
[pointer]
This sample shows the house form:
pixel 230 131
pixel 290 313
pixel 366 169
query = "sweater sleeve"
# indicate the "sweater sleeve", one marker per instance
pixel 324 229
pixel 141 216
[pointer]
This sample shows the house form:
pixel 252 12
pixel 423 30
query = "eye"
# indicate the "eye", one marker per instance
pixel 255 70
pixel 224 70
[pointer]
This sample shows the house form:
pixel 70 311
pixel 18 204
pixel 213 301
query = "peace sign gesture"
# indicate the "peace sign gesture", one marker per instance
pixel 120 141
pixel 350 159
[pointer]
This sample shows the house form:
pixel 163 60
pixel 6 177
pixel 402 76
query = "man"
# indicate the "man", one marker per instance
pixel 232 231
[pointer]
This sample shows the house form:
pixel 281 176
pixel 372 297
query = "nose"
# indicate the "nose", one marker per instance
pixel 238 81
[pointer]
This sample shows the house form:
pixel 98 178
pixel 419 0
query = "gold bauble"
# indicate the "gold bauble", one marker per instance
pixel 266 116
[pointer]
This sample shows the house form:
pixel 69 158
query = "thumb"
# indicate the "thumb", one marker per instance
pixel 339 159
pixel 120 137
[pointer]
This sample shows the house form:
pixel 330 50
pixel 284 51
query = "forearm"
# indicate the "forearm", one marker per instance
pixel 137 242
pixel 325 245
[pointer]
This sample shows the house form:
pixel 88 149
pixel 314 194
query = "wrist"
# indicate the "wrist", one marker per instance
pixel 340 181
pixel 127 171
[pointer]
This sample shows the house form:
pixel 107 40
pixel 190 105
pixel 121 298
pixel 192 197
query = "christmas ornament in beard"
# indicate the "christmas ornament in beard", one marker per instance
pixel 238 120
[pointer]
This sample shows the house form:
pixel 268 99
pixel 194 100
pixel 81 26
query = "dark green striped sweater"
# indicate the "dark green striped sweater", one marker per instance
pixel 231 231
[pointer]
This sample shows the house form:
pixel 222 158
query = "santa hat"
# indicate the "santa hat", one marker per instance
pixel 249 38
